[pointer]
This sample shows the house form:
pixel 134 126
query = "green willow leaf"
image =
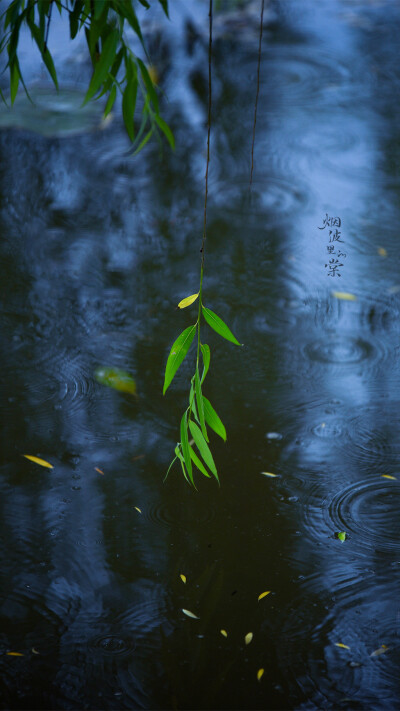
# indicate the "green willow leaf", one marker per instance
pixel 219 326
pixel 192 401
pixel 182 461
pixel 103 65
pixel 166 130
pixel 203 448
pixel 185 446
pixel 197 462
pixel 143 143
pixel 169 469
pixel 199 401
pixel 129 98
pixel 205 349
pixel 15 76
pixel 74 18
pixel 177 354
pixel 213 420
pixel 149 84
pixel 46 56
pixel 110 100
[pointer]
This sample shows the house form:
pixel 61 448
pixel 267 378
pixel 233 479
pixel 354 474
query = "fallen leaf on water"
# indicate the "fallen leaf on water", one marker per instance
pixel 224 633
pixel 248 638
pixel 115 378
pixel 139 456
pixel 37 460
pixel 382 252
pixel 269 474
pixel 382 649
pixel 344 295
pixel 341 536
pixel 35 651
pixel 259 674
pixel 138 509
pixel 264 594
pixel 183 577
pixel 190 614
pixel 186 302
pixel 342 646
pixel 98 470
pixel 388 476
pixel 15 654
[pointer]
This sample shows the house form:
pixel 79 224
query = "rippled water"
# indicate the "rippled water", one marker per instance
pixel 96 251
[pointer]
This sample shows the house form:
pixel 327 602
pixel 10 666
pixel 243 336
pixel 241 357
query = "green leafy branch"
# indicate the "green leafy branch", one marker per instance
pixel 103 22
pixel 200 413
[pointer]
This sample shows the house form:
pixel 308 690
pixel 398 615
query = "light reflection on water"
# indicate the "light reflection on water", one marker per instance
pixel 96 251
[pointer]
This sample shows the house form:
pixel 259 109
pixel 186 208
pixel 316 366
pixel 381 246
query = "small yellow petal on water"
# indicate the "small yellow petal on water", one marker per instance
pixel 342 646
pixel 15 654
pixel 388 476
pixel 138 509
pixel 269 474
pixel 382 649
pixel 186 302
pixel 190 614
pixel 37 460
pixel 344 295
pixel 248 638
pixel 224 633
pixel 259 674
pixel 99 470
pixel 183 577
pixel 264 594
pixel 382 252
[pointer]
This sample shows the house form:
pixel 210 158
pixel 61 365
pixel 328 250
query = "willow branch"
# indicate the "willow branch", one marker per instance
pixel 258 90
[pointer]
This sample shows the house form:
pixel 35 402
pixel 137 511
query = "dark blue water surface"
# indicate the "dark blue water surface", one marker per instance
pixel 96 251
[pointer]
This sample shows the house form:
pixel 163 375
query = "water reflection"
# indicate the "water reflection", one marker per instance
pixel 96 251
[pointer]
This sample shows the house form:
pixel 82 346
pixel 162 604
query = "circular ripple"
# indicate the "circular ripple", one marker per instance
pixel 373 438
pixel 181 514
pixel 112 645
pixel 339 350
pixel 370 510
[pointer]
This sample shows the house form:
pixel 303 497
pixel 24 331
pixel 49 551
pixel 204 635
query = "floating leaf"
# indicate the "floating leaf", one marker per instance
pixel 224 633
pixel 219 326
pixel 187 301
pixel 138 509
pixel 382 252
pixel 382 649
pixel 116 379
pixel 264 594
pixel 342 646
pixel 344 295
pixel 388 476
pixel 15 654
pixel 98 470
pixel 34 651
pixel 259 674
pixel 190 614
pixel 177 354
pixel 341 536
pixel 248 637
pixel 37 460
pixel 183 577
pixel 269 474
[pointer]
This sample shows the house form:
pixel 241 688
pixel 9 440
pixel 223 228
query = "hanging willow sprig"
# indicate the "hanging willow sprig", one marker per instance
pixel 199 414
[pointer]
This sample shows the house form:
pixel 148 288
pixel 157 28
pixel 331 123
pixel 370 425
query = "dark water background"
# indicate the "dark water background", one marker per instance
pixel 96 251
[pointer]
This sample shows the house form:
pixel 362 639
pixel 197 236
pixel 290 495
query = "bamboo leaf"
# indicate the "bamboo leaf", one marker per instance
pixel 103 65
pixel 185 446
pixel 197 462
pixel 205 349
pixel 213 420
pixel 187 301
pixel 200 406
pixel 219 326
pixel 37 460
pixel 177 354
pixel 203 448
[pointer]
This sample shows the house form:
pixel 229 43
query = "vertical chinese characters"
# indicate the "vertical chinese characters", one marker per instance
pixel 333 248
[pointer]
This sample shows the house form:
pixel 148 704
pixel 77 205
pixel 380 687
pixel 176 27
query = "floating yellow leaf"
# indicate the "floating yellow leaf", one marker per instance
pixel 35 651
pixel 183 577
pixel 344 295
pixel 116 378
pixel 186 302
pixel 259 674
pixel 138 509
pixel 15 654
pixel 382 649
pixel 37 460
pixel 342 646
pixel 388 476
pixel 248 638
pixel 382 252
pixel 98 470
pixel 264 594
pixel 224 633
pixel 269 474
pixel 190 614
